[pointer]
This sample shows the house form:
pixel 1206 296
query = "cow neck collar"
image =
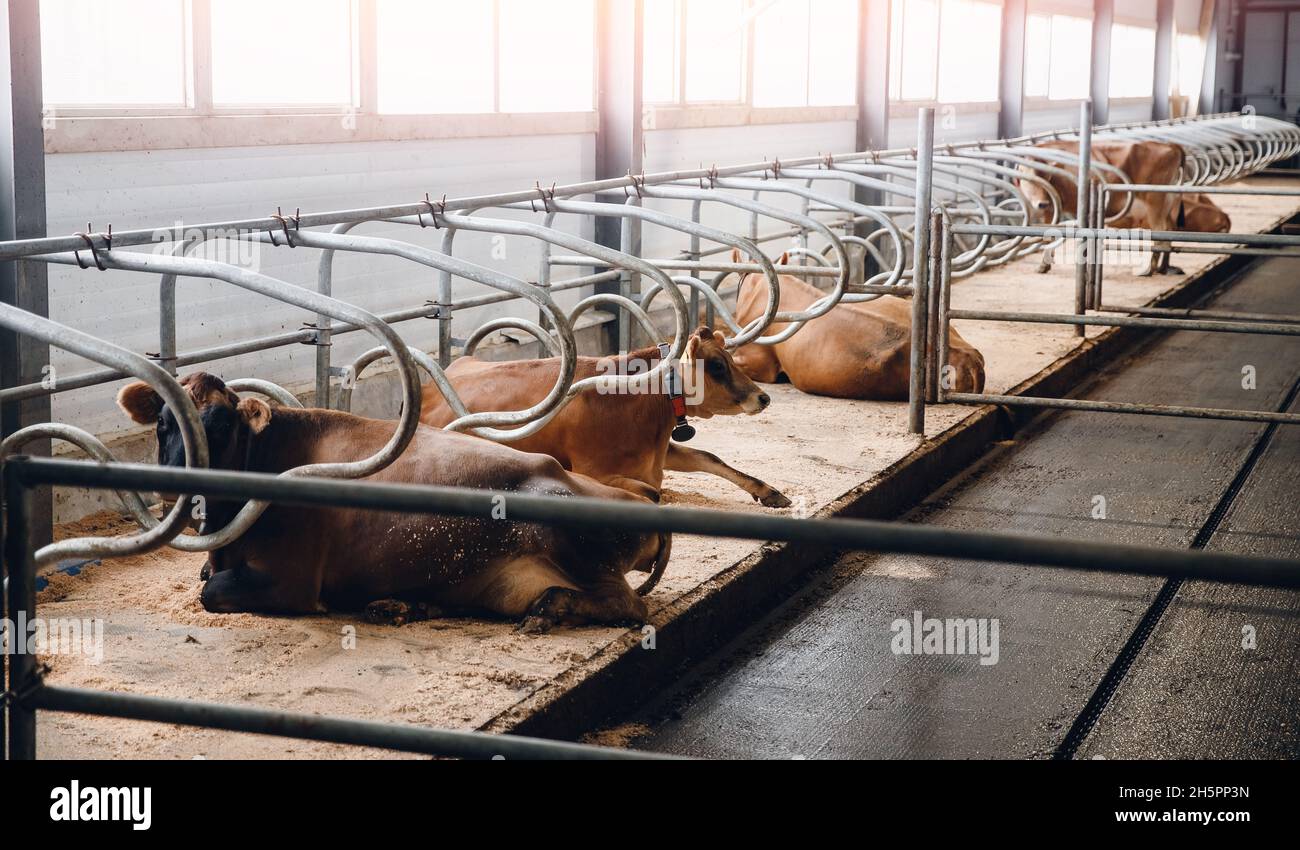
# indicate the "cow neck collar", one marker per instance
pixel 682 431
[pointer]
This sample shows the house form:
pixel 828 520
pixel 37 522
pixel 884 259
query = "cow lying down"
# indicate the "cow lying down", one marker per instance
pixel 618 439
pixel 859 351
pixel 399 566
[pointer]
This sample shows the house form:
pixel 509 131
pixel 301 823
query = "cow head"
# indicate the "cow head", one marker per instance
pixel 224 415
pixel 1040 202
pixel 712 382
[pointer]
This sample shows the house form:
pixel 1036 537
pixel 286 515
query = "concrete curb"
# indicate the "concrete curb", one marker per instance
pixel 625 675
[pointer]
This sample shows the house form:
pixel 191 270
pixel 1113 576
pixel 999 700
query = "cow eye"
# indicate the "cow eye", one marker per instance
pixel 716 368
pixel 162 425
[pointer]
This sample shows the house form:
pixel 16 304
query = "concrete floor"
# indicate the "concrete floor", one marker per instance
pixel 819 679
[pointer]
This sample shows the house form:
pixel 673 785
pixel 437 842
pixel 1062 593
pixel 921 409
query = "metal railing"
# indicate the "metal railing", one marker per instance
pixel 27 693
pixel 1216 153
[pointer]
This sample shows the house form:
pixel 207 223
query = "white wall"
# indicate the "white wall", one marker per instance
pixel 950 125
pixel 152 188
pixel 1138 110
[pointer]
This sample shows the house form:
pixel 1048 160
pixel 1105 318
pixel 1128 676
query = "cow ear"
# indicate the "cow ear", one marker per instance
pixel 255 413
pixel 140 402
pixel 720 339
pixel 785 259
pixel 692 348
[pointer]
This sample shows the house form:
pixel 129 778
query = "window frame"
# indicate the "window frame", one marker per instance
pixel 84 128
pixel 964 106
pixel 1046 101
pixel 1151 27
pixel 682 113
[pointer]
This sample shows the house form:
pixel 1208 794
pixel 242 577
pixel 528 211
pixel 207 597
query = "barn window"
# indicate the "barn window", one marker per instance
pixel 547 55
pixel 661 51
pixel 1132 60
pixel 915 35
pixel 714 32
pixel 694 51
pixel 287 53
pixel 1190 55
pixel 1058 56
pixel 945 50
pixel 412 79
pixel 970 34
pixel 119 54
pixel 489 56
pixel 805 53
pixel 767 53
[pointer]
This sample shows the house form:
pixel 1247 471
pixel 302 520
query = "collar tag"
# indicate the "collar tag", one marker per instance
pixel 673 389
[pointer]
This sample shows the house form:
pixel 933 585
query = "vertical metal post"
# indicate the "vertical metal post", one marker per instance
pixel 20 607
pixel 933 365
pixel 620 137
pixel 920 269
pixel 693 255
pixel 873 104
pixel 22 216
pixel 1102 22
pixel 1082 217
pixel 1098 255
pixel 167 321
pixel 945 305
pixel 1011 75
pixel 1164 60
pixel 324 328
pixel 442 304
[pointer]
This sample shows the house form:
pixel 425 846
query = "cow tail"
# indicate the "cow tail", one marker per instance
pixel 661 564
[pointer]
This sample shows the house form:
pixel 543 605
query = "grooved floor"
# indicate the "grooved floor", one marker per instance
pixel 818 679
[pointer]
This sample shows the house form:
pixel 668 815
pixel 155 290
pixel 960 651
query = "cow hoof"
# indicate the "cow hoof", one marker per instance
pixel 1174 270
pixel 774 499
pixel 534 625
pixel 206 572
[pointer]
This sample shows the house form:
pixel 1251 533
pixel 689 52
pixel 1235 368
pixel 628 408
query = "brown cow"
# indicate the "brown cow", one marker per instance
pixel 1146 162
pixel 619 439
pixel 859 350
pixel 1200 214
pixel 399 566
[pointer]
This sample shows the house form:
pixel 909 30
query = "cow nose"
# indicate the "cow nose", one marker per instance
pixel 764 400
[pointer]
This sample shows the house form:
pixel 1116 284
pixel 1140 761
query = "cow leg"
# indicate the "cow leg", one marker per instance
pixel 238 590
pixel 1165 267
pixel 1045 264
pixel 1159 263
pixel 682 459
pixel 633 485
pixel 613 602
